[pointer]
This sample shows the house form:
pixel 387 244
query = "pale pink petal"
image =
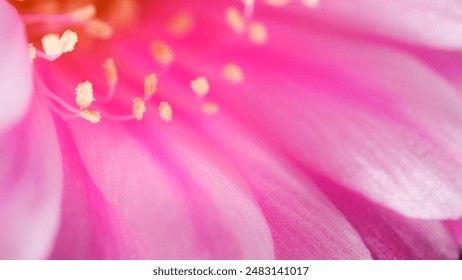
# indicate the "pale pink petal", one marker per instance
pixel 426 22
pixel 16 71
pixel 389 235
pixel 177 197
pixel 30 187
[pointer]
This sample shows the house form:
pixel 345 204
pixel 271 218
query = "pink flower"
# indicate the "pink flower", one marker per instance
pixel 286 129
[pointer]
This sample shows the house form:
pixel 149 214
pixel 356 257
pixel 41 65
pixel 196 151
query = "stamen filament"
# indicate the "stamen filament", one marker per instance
pixel 110 94
pixel 112 117
pixel 61 102
pixel 45 56
pixel 39 19
pixel 65 115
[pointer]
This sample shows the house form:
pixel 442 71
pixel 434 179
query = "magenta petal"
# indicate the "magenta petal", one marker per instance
pixel 455 227
pixel 178 198
pixel 30 187
pixel 90 228
pixel 16 71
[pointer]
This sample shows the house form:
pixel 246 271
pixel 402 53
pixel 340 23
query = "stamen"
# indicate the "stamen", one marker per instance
pixel 99 29
pixel 110 71
pixel 83 14
pixel 165 111
pixel 162 52
pixel 68 41
pixel 90 115
pixel 258 33
pixel 200 86
pixel 311 3
pixel 46 57
pixel 139 108
pixel 61 102
pixel 181 23
pixel 233 73
pixel 150 85
pixel 75 17
pixel 32 52
pixel 52 45
pixel 210 108
pixel 64 114
pixel 117 118
pixel 84 94
pixel 235 20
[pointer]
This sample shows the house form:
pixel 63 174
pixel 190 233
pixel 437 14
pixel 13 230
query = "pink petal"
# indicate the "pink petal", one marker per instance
pixel 389 235
pixel 175 195
pixel 90 227
pixel 30 187
pixel 16 72
pixel 303 223
pixel 426 22
pixel 351 110
pixel 455 227
pixel 356 112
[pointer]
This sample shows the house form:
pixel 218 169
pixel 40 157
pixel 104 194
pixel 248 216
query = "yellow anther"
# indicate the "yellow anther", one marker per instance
pixel 181 23
pixel 200 86
pixel 165 111
pixel 235 19
pixel 162 52
pixel 110 71
pixel 258 33
pixel 99 29
pixel 210 108
pixel 84 94
pixel 90 115
pixel 32 52
pixel 233 73
pixel 68 41
pixel 83 14
pixel 139 108
pixel 150 85
pixel 311 3
pixel 52 45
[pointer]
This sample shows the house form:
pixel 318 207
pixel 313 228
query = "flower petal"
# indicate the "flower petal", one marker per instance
pixel 426 22
pixel 389 235
pixel 90 228
pixel 352 110
pixel 358 113
pixel 304 224
pixel 171 190
pixel 30 187
pixel 455 227
pixel 16 72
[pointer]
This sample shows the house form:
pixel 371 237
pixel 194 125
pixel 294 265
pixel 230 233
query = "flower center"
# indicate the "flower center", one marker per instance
pixel 54 28
pixel 96 18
